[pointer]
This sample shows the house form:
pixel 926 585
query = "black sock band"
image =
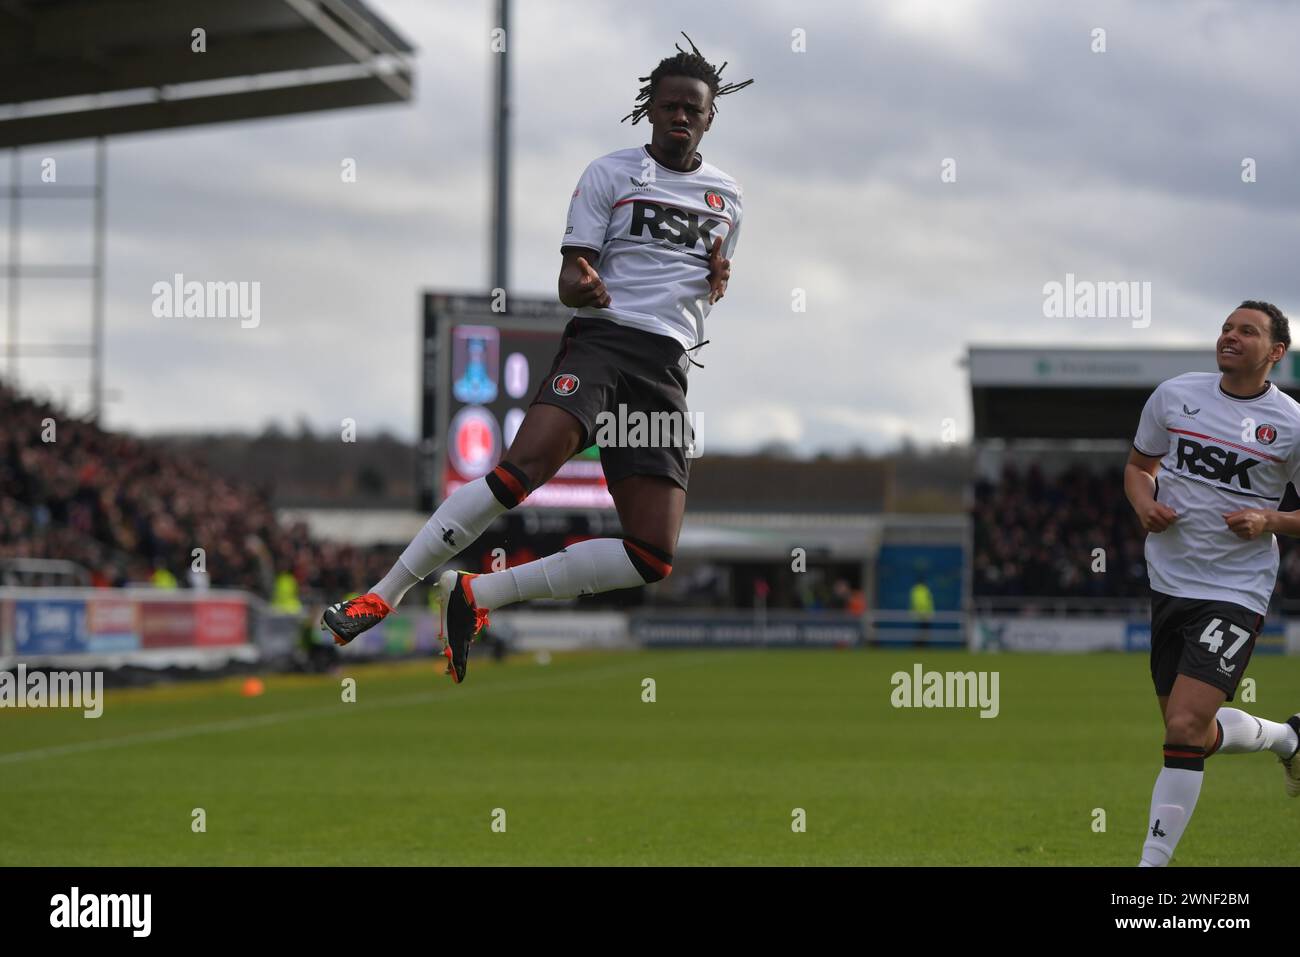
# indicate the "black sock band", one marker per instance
pixel 653 564
pixel 1186 756
pixel 1294 721
pixel 509 484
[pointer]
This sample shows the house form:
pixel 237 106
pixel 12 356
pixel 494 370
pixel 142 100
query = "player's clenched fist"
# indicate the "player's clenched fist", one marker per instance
pixel 581 285
pixel 1157 516
pixel 1247 523
pixel 719 272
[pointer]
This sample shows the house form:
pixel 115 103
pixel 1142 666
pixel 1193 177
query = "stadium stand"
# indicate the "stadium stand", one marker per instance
pixel 1034 535
pixel 124 509
pixel 130 511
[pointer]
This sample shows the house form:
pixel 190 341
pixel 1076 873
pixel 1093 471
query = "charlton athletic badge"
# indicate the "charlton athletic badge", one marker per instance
pixel 1266 434
pixel 564 384
pixel 714 200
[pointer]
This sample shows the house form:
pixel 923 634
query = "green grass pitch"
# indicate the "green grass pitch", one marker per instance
pixel 587 773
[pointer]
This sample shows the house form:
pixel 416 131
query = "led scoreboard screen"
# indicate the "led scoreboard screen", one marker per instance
pixel 481 371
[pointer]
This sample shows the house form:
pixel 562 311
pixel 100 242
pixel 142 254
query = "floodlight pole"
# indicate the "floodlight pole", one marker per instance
pixel 11 365
pixel 501 160
pixel 97 327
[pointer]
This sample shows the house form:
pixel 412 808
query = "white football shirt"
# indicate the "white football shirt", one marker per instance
pixel 1220 453
pixel 654 228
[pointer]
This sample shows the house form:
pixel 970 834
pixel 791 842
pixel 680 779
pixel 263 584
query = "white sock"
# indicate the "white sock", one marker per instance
pixel 1243 733
pixel 394 586
pixel 1172 802
pixel 584 568
pixel 462 517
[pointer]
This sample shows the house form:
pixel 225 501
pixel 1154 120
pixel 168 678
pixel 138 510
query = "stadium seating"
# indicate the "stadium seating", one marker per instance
pixel 123 509
pixel 1034 536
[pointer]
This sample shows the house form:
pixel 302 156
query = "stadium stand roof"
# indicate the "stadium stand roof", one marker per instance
pixel 73 69
pixel 1068 394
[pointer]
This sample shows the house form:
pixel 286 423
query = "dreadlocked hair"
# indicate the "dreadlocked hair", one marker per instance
pixel 691 65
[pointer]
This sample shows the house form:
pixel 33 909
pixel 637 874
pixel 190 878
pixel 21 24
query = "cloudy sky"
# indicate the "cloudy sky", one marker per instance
pixel 1123 165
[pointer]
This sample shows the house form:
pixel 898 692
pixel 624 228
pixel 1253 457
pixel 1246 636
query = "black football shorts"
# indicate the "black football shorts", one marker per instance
pixel 1208 640
pixel 628 389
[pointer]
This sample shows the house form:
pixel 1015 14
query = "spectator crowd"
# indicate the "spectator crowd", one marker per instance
pixel 125 510
pixel 1036 536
